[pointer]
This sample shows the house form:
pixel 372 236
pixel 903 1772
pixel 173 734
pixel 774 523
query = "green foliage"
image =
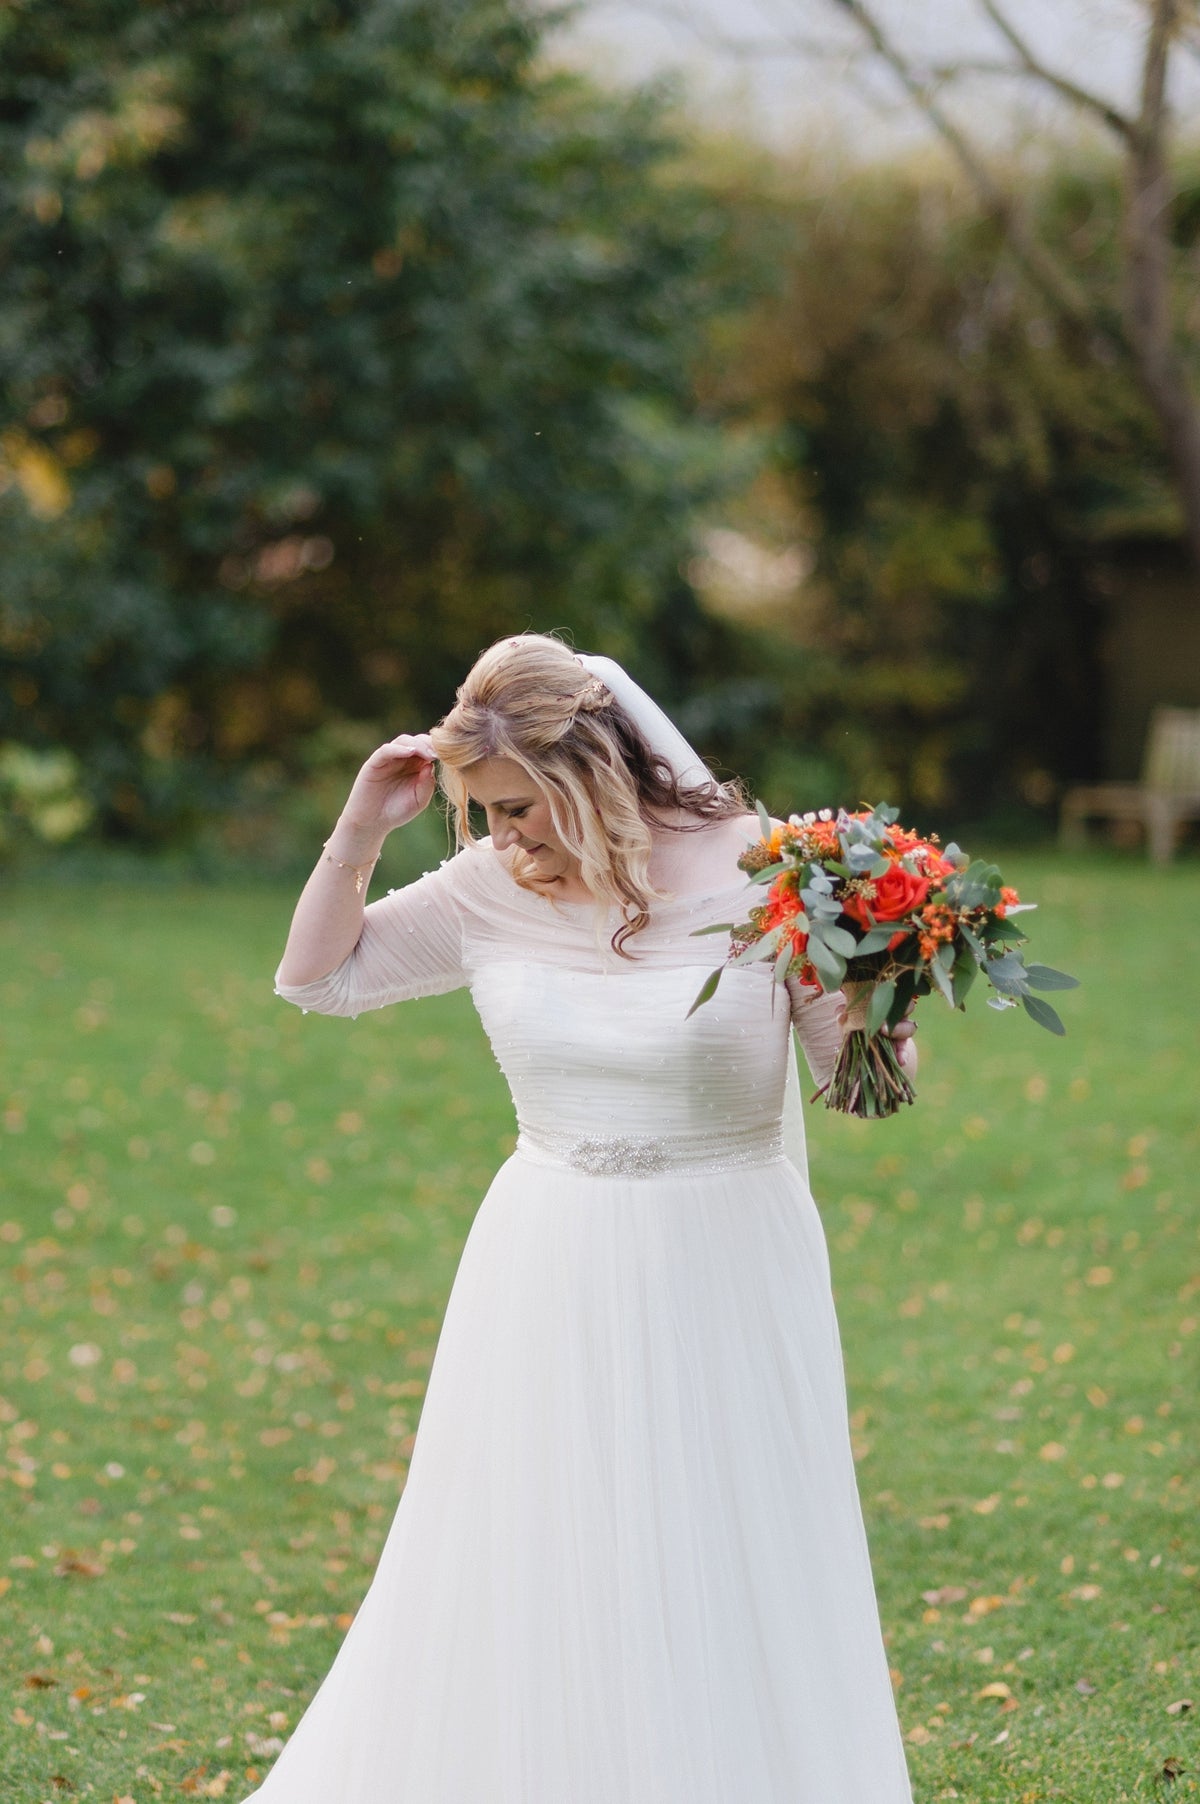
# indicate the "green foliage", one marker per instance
pixel 40 798
pixel 335 340
pixel 958 464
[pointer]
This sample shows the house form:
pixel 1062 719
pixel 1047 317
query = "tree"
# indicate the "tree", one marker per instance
pixel 337 337
pixel 1148 320
pixel 955 472
pixel 1150 314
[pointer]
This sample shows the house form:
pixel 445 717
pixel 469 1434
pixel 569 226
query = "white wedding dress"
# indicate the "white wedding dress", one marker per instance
pixel 629 1564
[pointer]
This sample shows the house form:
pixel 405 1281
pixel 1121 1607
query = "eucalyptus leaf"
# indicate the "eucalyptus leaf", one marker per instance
pixel 707 991
pixel 997 929
pixel 882 998
pixel 860 859
pixel 821 908
pixel 769 873
pixel 830 969
pixel 906 989
pixel 764 820
pixel 1043 1014
pixel 698 933
pixel 1045 977
pixel 878 939
pixel 941 978
pixel 840 941
pixel 973 941
pixel 962 977
pixel 758 950
pixel 1006 973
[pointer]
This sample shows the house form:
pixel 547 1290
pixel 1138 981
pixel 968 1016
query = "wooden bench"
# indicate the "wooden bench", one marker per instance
pixel 1167 796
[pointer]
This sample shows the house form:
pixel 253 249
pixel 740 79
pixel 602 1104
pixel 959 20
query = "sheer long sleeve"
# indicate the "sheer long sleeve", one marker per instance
pixel 815 1018
pixel 411 945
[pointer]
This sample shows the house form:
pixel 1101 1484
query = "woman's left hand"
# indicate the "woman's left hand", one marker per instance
pixel 902 1037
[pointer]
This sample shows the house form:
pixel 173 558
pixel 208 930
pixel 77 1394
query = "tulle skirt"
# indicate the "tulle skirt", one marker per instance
pixel 629 1564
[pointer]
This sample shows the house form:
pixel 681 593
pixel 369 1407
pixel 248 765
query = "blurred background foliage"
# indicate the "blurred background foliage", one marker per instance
pixel 340 337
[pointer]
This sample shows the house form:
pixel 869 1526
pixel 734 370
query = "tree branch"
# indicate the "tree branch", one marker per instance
pixel 678 12
pixel 1032 65
pixel 1046 273
pixel 1162 370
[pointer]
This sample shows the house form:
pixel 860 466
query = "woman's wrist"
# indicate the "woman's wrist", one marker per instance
pixel 356 843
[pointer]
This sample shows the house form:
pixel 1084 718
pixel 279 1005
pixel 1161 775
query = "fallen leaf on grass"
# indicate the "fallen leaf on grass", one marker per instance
pixel 1171 1769
pixel 945 1594
pixel 263 1746
pixel 79 1565
pixel 1084 1687
pixel 197 1786
pixel 1180 1707
pixel 39 1681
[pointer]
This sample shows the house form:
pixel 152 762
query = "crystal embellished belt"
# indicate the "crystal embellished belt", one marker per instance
pixel 648 1156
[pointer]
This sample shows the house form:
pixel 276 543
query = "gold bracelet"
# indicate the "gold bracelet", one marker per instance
pixel 361 871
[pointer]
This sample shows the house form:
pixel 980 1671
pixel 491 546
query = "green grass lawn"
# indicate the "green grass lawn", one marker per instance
pixel 228 1232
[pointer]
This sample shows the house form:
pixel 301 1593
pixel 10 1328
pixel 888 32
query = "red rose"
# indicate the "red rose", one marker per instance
pixel 897 893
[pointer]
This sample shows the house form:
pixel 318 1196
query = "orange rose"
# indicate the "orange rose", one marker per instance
pixel 897 893
pixel 783 905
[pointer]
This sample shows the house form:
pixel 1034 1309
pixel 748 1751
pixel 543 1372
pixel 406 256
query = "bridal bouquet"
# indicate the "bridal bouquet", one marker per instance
pixel 857 903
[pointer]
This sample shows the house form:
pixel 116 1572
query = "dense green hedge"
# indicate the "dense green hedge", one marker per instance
pixel 337 340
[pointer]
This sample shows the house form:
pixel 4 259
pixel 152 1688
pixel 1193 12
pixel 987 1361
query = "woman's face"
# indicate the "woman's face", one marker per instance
pixel 518 814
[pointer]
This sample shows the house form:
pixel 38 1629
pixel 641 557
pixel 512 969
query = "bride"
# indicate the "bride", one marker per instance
pixel 629 1564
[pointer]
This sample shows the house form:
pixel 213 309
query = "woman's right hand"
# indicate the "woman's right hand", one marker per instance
pixel 393 786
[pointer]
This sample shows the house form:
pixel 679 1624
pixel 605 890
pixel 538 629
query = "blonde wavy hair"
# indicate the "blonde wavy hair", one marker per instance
pixel 529 698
